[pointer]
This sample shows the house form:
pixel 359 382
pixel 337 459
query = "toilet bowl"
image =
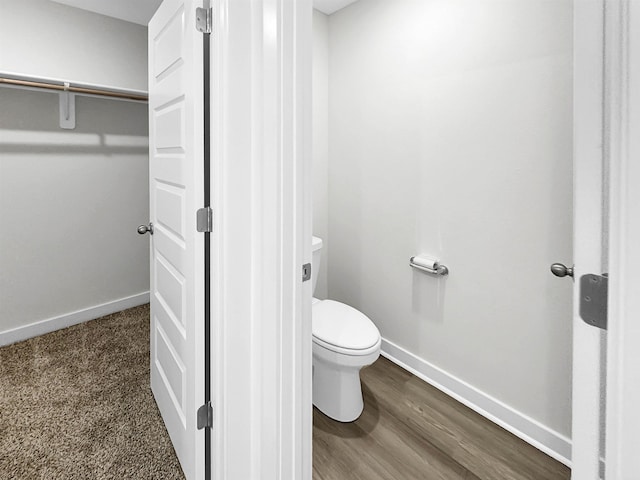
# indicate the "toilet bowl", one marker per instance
pixel 344 341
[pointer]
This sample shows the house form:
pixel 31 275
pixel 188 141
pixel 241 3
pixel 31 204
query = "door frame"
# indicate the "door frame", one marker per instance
pixel 260 184
pixel 606 111
pixel 261 146
pixel 622 80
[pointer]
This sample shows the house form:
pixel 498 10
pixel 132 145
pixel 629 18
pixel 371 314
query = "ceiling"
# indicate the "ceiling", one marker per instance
pixel 136 11
pixel 331 6
pixel 140 11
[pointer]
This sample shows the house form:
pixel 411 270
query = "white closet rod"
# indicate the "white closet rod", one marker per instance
pixel 82 90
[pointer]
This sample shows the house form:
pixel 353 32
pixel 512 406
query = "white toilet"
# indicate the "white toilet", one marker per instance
pixel 344 341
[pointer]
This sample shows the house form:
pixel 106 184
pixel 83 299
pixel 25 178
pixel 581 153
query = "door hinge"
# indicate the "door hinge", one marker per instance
pixel 205 416
pixel 203 19
pixel 204 219
pixel 593 299
pixel 306 272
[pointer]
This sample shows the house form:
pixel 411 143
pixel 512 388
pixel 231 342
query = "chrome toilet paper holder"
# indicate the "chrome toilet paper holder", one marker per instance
pixel 438 269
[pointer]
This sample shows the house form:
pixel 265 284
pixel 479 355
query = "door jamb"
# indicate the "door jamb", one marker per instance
pixel 623 124
pixel 261 309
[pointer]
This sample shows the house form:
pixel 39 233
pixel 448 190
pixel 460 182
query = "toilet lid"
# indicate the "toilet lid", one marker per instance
pixel 342 326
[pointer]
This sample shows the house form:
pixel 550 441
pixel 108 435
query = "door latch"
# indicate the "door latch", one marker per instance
pixel 593 299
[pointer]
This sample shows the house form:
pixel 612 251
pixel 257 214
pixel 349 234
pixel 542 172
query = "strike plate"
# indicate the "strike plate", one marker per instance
pixel 593 300
pixel 306 272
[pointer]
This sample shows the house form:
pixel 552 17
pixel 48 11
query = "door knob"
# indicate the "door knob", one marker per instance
pixel 142 229
pixel 560 270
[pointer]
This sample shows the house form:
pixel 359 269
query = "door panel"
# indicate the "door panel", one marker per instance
pixel 588 344
pixel 177 264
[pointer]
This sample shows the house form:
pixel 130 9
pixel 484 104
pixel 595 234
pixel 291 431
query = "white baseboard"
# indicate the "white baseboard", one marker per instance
pixel 63 321
pixel 531 431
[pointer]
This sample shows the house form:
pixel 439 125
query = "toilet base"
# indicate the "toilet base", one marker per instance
pixel 337 392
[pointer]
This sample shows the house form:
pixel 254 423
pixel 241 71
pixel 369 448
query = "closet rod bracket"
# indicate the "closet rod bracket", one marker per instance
pixel 67 108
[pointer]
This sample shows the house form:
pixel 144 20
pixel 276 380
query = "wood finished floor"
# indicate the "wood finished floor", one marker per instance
pixel 410 430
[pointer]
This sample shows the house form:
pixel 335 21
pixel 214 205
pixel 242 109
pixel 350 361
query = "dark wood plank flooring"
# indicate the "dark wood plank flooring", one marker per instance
pixel 410 430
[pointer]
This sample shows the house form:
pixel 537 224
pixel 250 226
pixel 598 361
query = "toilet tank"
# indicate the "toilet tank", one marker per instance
pixel 316 252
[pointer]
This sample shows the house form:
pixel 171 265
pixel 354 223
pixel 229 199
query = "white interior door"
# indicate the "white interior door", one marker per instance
pixel 177 249
pixel 589 235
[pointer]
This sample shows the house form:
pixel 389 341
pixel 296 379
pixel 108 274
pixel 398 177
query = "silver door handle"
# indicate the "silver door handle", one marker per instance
pixel 561 270
pixel 142 229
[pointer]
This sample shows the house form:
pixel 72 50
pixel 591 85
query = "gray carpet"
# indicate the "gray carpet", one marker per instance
pixel 76 404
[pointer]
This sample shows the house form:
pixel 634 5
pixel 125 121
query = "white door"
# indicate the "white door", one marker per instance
pixel 589 237
pixel 177 249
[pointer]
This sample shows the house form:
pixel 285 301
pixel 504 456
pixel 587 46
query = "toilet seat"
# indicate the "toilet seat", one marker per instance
pixel 343 329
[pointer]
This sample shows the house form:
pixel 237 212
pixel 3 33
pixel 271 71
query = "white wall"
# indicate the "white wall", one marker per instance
pixel 321 143
pixel 450 134
pixel 46 39
pixel 70 200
